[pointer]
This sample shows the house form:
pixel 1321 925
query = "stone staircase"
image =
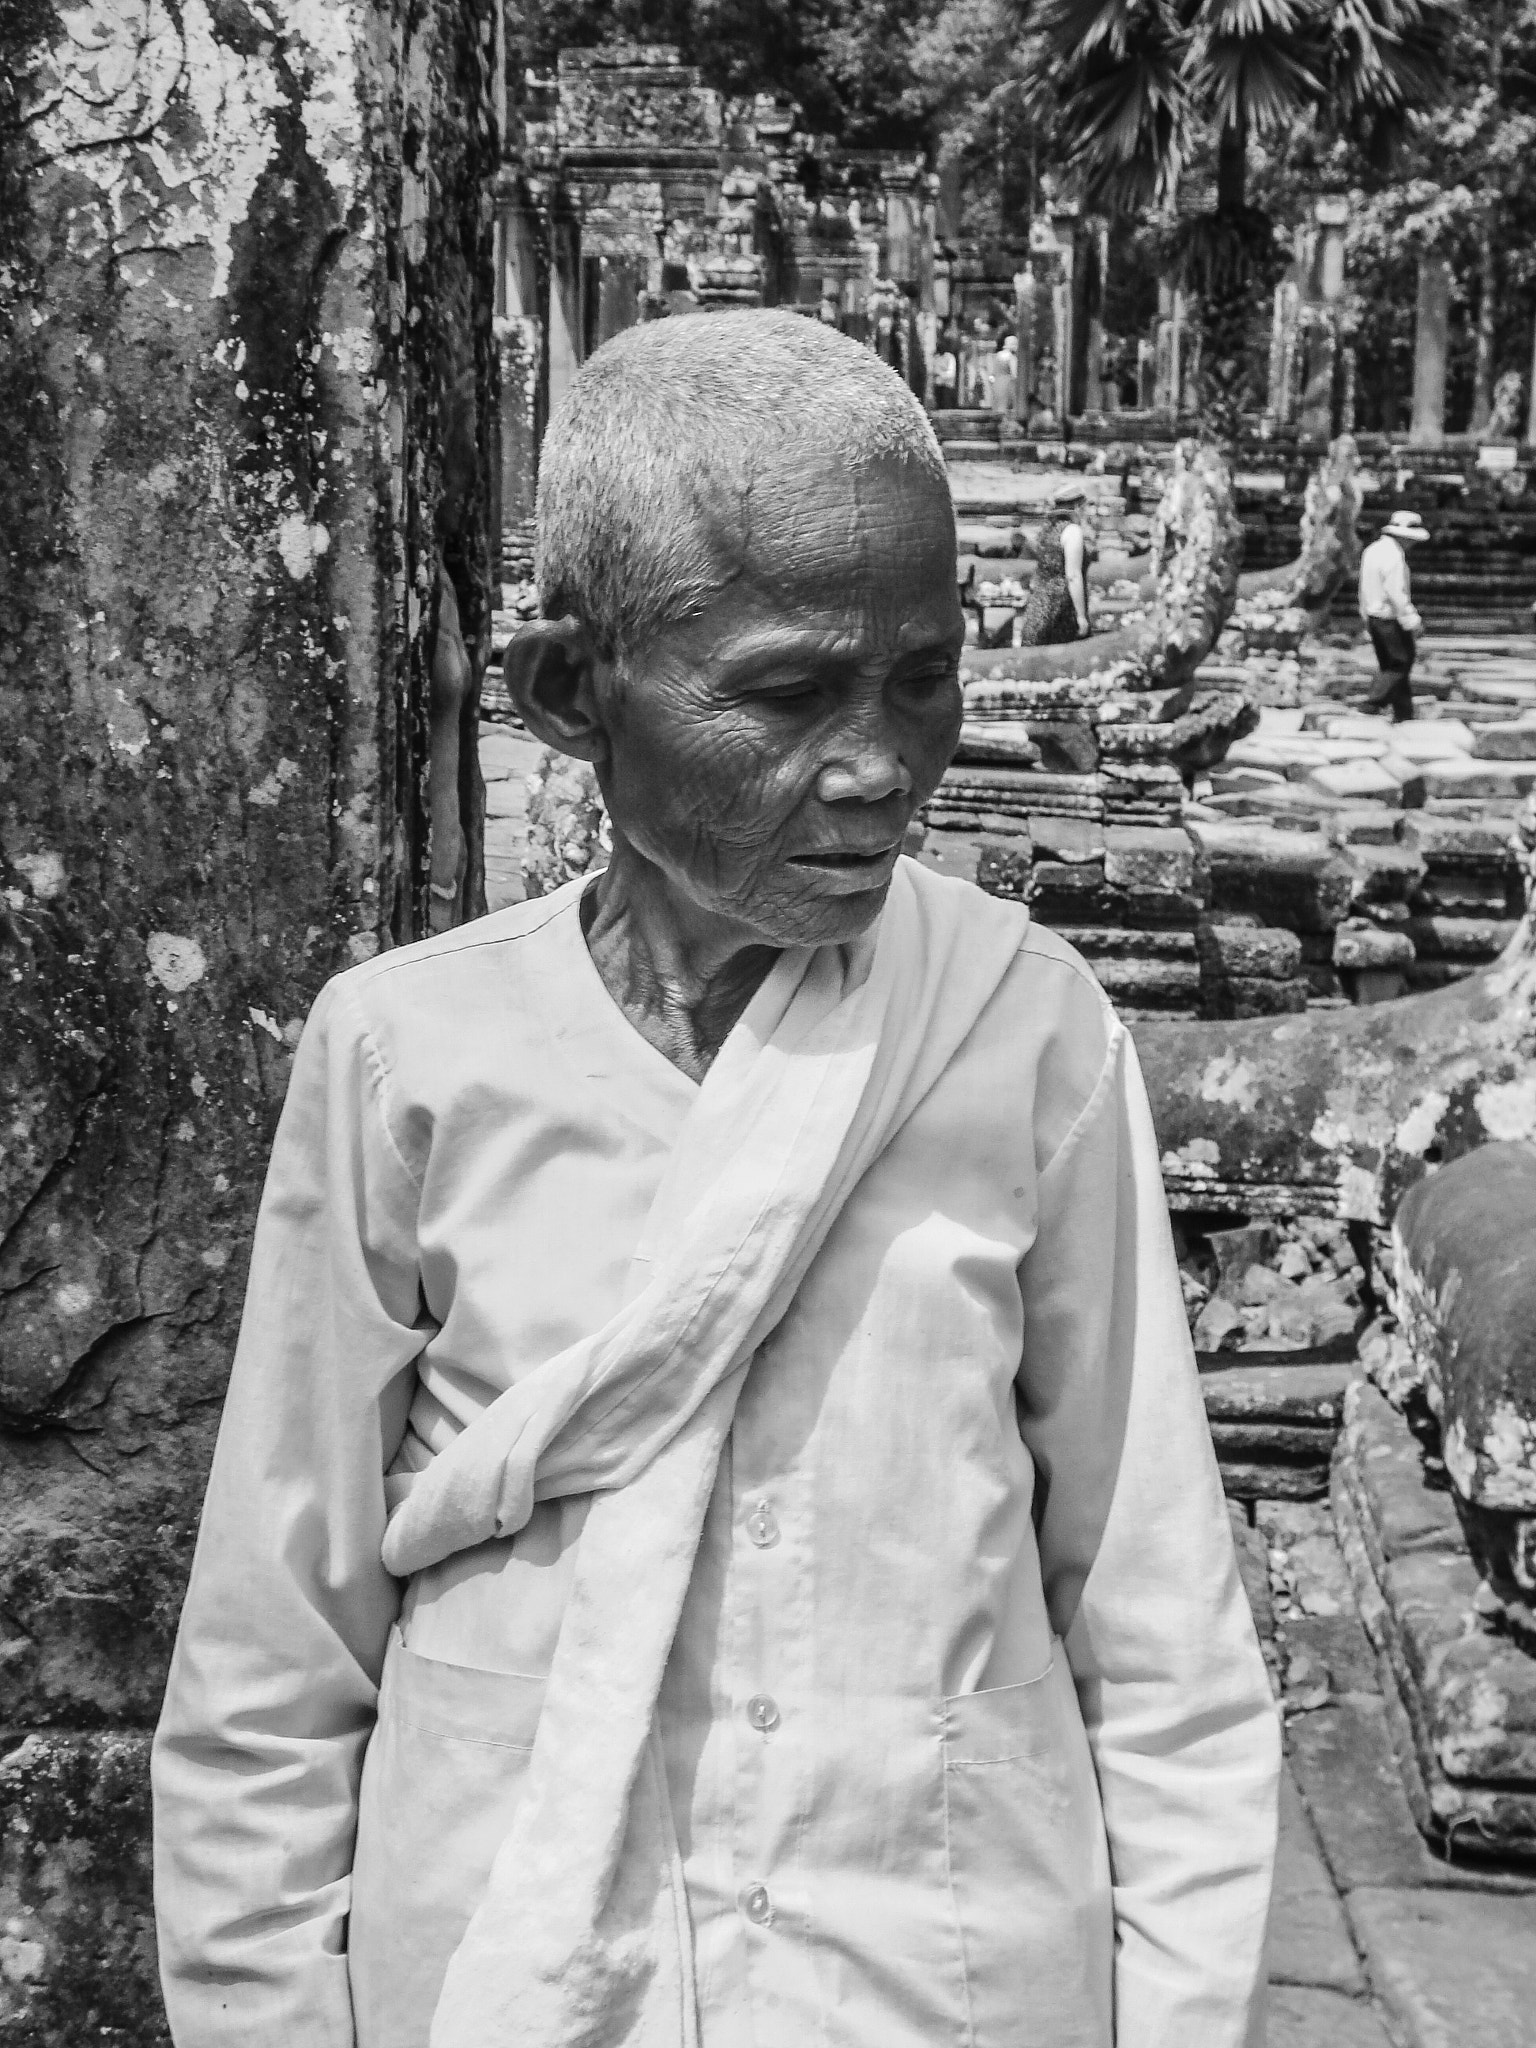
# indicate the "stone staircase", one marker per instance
pixel 973 433
pixel 1477 573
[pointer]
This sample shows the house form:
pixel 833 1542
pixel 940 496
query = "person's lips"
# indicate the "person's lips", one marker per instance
pixel 855 863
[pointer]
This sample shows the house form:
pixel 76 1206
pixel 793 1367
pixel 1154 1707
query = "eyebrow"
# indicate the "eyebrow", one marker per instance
pixel 830 649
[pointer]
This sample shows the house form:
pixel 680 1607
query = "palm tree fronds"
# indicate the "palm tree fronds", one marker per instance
pixel 1382 54
pixel 1120 92
pixel 1260 82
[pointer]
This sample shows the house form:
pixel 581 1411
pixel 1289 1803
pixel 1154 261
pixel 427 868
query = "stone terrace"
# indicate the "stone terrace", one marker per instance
pixel 1325 859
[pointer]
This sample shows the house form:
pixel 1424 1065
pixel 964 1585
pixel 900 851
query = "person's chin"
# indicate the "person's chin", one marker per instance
pixel 830 907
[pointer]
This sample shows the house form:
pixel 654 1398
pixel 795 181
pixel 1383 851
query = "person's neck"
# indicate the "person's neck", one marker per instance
pixel 681 974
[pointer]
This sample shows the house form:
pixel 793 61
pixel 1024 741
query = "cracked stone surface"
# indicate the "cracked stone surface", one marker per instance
pixel 240 254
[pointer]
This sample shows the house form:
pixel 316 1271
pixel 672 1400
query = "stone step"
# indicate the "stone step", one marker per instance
pixel 1469 778
pixel 1309 1397
pixel 1461 1699
pixel 1274 1425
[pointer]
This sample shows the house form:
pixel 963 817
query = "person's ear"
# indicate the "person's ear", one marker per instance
pixel 550 670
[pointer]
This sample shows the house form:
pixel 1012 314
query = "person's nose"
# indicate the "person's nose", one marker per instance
pixel 866 766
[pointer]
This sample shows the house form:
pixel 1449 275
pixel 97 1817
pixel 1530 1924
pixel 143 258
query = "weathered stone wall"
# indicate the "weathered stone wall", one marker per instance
pixel 245 361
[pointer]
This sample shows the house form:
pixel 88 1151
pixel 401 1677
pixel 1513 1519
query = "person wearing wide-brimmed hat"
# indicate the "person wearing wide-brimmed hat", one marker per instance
pixel 1386 605
pixel 1057 607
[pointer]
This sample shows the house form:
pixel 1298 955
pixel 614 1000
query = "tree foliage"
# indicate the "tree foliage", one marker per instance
pixel 1208 127
pixel 1142 86
pixel 1138 81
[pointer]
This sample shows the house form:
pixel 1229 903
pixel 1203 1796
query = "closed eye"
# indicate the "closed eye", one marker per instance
pixel 792 693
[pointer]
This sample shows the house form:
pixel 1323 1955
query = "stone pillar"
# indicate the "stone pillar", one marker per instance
pixel 1332 214
pixel 1329 389
pixel 1171 348
pixel 621 280
pixel 520 353
pixel 1061 310
pixel 1284 336
pixel 1191 339
pixel 1530 416
pixel 1098 275
pixel 565 312
pixel 1315 418
pixel 902 242
pixel 1146 375
pixel 247 442
pixel 1024 321
pixel 1429 350
pixel 1067 325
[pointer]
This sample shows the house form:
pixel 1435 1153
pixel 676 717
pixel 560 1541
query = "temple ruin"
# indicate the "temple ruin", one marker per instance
pixel 287 316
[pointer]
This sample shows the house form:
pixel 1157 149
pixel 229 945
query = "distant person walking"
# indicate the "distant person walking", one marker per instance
pixel 1386 605
pixel 1056 609
pixel 1005 375
pixel 946 372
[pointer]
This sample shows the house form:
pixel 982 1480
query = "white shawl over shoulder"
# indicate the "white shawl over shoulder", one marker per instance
pixel 581 1939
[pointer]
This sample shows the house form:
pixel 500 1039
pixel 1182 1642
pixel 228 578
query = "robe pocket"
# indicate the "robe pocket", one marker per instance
pixel 1029 1866
pixel 441 1782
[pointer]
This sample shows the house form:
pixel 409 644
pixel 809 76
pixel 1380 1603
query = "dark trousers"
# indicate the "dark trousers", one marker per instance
pixel 1395 650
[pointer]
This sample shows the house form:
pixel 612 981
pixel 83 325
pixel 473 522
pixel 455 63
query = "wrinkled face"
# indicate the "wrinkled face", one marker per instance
pixel 769 754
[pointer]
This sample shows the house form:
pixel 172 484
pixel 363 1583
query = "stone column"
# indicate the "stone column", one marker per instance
pixel 1098 260
pixel 565 312
pixel 1332 213
pixel 1315 418
pixel 1429 350
pixel 1329 374
pixel 1191 339
pixel 1146 375
pixel 1024 320
pixel 1530 413
pixel 246 396
pixel 1171 348
pixel 1284 334
pixel 520 352
pixel 1066 333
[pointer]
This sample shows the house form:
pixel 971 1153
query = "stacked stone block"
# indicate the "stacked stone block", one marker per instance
pixel 1465 906
pixel 1129 897
pixel 1277 898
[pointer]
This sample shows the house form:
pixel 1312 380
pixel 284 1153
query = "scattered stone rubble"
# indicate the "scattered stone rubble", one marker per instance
pixel 1275 1310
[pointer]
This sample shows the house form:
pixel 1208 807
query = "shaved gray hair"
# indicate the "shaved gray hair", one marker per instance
pixel 647 470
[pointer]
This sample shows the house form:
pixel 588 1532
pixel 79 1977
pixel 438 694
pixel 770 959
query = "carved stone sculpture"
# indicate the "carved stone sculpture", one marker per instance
pixel 1115 722
pixel 1342 1111
pixel 1330 542
pixel 1464 1244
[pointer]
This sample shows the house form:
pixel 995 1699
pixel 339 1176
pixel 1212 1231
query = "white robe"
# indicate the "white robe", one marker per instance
pixel 896 1796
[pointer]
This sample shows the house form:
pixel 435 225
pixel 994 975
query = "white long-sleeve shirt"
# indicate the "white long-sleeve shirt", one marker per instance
pixel 1385 585
pixel 965 1727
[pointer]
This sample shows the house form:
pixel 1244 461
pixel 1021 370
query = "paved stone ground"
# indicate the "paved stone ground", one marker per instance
pixel 1374 1941
pixel 1373 1938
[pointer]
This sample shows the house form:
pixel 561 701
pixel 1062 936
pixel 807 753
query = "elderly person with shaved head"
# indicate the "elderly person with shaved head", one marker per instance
pixel 714 1540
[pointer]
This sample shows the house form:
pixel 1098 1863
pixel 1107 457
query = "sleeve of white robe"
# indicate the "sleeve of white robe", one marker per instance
pixel 1141 1577
pixel 273 1684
